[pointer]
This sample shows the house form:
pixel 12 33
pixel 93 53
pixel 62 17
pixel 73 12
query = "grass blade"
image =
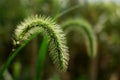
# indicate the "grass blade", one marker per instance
pixel 13 55
pixel 66 11
pixel 41 58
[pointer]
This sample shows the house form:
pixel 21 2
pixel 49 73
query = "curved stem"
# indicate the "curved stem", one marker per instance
pixel 13 55
pixel 66 11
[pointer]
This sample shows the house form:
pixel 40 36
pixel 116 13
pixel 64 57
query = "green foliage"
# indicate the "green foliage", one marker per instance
pixel 103 21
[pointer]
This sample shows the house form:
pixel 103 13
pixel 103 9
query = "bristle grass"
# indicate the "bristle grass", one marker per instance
pixel 57 41
pixel 88 32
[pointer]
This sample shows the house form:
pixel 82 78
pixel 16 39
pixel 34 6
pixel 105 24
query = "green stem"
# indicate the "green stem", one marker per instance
pixel 66 11
pixel 41 58
pixel 13 55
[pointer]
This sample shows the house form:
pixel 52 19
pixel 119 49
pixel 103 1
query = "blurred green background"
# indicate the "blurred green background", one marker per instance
pixel 103 15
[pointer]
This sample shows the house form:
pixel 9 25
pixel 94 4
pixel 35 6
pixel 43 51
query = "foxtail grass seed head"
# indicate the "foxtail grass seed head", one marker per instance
pixel 87 32
pixel 57 42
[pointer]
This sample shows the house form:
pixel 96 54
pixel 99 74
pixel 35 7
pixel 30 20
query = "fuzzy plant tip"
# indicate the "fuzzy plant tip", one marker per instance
pixel 87 31
pixel 58 49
